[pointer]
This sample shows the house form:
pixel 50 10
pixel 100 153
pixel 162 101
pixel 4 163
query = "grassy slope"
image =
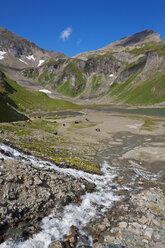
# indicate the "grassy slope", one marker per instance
pixel 7 113
pixel 52 147
pixel 27 102
pixel 158 47
pixel 95 83
pixel 147 92
pixel 151 91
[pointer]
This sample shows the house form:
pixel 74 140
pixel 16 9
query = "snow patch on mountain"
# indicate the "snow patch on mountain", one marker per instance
pixel 45 91
pixel 1 54
pixel 41 61
pixel 31 57
pixel 23 61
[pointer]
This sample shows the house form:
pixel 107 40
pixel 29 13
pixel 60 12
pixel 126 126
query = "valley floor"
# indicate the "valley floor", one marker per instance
pixel 134 145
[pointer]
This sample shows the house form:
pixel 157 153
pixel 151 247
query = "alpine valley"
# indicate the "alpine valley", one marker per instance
pixel 82 144
pixel 128 71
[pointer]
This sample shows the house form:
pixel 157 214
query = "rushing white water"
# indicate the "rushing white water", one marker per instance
pixel 58 223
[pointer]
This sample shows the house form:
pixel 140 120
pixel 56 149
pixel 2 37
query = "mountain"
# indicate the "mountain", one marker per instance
pixel 16 102
pixel 17 52
pixel 129 71
pixel 132 41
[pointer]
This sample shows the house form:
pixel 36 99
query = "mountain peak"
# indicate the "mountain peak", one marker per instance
pixel 144 36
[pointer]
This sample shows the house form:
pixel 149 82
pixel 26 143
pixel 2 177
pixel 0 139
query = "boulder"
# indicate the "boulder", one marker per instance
pixel 148 233
pixel 55 244
pixel 123 225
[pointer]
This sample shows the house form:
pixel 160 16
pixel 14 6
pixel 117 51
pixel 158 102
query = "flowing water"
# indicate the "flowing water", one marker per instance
pixel 92 205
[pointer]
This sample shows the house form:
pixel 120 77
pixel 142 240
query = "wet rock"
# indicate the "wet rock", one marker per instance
pixel 56 244
pixel 14 233
pixel 7 153
pixel 83 241
pixel 72 238
pixel 66 201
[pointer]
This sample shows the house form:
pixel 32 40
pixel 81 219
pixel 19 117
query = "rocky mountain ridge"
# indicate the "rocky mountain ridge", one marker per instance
pixel 18 52
pixel 131 42
pixel 118 73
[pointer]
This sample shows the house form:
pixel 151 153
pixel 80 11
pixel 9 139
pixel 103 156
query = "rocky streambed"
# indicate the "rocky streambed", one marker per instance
pixel 124 207
pixel 28 193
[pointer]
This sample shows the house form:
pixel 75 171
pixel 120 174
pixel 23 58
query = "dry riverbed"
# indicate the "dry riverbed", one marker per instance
pixel 129 143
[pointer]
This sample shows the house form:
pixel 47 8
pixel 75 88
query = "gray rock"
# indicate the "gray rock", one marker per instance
pixel 117 241
pixel 4 211
pixel 101 227
pixel 10 178
pixel 55 244
pixel 1 181
pixel 37 181
pixel 145 241
pixel 123 225
pixel 143 220
pixel 3 203
pixel 12 196
pixel 114 246
pixel 156 223
pixel 136 225
pixel 98 245
pixel 109 239
pixel 148 233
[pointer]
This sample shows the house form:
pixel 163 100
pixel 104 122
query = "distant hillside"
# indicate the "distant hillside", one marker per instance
pixel 14 98
pixel 7 112
pixel 128 71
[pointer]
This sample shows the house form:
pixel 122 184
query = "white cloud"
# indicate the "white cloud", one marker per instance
pixel 65 33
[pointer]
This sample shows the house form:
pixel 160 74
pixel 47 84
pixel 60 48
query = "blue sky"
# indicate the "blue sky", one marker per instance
pixel 74 26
